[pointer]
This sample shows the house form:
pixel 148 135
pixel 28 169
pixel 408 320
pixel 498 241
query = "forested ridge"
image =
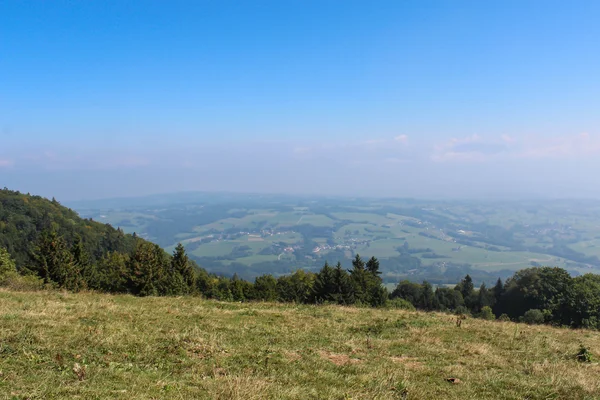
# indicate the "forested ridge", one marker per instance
pixel 43 244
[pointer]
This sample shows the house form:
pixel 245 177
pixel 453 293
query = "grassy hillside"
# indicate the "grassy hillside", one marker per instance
pixel 60 345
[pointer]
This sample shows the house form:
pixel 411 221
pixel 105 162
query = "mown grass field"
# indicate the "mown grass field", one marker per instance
pixel 93 346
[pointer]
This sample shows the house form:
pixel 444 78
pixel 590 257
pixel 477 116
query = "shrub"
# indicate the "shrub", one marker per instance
pixel 486 313
pixel 461 310
pixel 22 283
pixel 584 354
pixel 401 304
pixel 504 318
pixel 591 323
pixel 7 265
pixel 533 317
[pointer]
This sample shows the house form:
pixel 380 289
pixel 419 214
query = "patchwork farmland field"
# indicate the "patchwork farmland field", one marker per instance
pixel 255 234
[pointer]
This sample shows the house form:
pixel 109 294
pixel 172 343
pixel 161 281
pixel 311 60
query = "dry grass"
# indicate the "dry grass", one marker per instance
pixel 92 346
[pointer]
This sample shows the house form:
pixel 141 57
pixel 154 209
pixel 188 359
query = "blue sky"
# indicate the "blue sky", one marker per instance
pixel 396 98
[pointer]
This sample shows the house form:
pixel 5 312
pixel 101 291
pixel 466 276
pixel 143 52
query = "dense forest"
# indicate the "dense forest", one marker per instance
pixel 47 245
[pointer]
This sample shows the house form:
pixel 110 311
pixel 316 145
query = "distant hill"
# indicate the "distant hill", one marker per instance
pixel 50 241
pixel 24 217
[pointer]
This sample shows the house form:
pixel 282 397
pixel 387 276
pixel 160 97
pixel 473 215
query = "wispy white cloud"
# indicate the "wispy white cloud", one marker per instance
pixel 476 148
pixel 4 163
pixel 569 146
pixel 401 139
pixel 374 141
pixel 396 160
pixel 469 148
pixel 83 159
pixel 301 150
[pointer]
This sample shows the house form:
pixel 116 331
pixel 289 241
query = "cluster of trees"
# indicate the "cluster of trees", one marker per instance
pixel 24 219
pixel 147 270
pixel 359 285
pixel 541 294
pixel 40 237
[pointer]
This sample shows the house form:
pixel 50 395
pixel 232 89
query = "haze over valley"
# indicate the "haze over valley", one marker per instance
pixel 439 241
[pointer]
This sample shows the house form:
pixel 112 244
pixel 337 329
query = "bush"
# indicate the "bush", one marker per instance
pixel 504 318
pixel 461 310
pixel 22 283
pixel 584 354
pixel 590 323
pixel 7 265
pixel 533 317
pixel 401 304
pixel 486 313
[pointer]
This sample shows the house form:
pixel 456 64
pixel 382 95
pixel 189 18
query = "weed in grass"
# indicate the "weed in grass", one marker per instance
pixel 584 354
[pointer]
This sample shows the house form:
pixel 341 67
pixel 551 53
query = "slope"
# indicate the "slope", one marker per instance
pixel 24 218
pixel 61 345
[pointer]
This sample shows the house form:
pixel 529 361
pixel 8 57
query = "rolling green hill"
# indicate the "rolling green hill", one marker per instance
pixel 24 218
pixel 43 240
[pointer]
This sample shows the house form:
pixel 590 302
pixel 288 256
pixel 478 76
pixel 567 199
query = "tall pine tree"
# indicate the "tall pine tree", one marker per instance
pixel 359 277
pixel 54 262
pixel 182 272
pixel 324 285
pixel 343 290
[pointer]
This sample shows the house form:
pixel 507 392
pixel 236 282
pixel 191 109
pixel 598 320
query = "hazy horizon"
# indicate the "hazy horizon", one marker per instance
pixel 399 99
pixel 179 196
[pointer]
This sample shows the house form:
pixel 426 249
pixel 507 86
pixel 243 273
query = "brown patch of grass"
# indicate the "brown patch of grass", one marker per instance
pixel 292 355
pixel 408 362
pixel 338 359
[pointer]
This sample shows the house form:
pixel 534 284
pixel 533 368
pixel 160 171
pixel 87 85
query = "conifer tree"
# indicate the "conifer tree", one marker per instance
pixel 373 267
pixel 498 289
pixel 237 288
pixel 343 291
pixel 296 287
pixel 147 272
pixel 265 287
pixel 467 289
pixel 324 285
pixel 379 296
pixel 484 298
pixel 359 277
pixel 428 299
pixel 83 266
pixel 182 272
pixel 497 292
pixel 54 263
pixel 377 293
pixel 113 273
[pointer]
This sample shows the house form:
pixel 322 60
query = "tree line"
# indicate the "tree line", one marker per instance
pixel 149 271
pixel 534 295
